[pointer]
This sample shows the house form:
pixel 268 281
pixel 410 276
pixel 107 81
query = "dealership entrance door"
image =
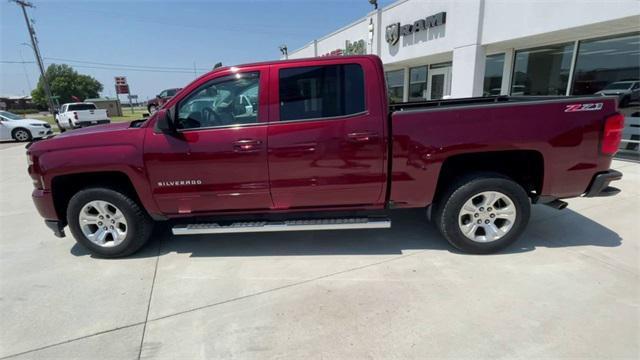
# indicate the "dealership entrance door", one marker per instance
pixel 439 84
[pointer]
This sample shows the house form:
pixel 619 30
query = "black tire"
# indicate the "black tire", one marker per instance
pixel 21 134
pixel 60 127
pixel 139 224
pixel 152 109
pixel 447 212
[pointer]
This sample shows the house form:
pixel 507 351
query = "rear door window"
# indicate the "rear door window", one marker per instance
pixel 79 107
pixel 316 92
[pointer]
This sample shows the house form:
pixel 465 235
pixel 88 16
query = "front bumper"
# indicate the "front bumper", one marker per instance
pixel 600 184
pixel 40 132
pixel 43 200
pixel 57 227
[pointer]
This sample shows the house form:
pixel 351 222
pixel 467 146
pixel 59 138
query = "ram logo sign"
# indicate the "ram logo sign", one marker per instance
pixel 395 31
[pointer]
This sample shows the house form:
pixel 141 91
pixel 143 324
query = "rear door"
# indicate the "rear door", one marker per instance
pixel 218 160
pixel 326 138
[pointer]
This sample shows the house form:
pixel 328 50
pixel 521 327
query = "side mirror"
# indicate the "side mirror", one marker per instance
pixel 165 123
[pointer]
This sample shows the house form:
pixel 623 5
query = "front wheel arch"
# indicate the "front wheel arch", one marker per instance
pixel 63 187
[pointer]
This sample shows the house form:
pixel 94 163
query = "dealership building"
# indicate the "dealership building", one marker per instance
pixel 436 49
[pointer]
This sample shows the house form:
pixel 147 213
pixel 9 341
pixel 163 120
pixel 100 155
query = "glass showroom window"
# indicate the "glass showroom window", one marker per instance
pixel 395 86
pixel 493 75
pixel 418 83
pixel 609 66
pixel 542 71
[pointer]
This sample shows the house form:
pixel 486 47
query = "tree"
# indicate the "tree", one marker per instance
pixel 66 83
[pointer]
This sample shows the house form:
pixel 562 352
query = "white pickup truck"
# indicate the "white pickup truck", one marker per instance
pixel 75 115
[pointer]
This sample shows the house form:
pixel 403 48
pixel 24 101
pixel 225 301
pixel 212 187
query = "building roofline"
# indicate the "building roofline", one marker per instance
pixel 353 23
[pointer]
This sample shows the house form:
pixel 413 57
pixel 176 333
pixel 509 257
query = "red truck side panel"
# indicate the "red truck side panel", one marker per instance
pixel 568 142
pixel 221 174
pixel 326 162
pixel 108 148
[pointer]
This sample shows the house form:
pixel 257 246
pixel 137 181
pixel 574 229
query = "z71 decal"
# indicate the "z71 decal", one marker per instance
pixel 583 107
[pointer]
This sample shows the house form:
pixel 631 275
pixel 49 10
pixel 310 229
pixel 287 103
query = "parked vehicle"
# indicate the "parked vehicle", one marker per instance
pixel 15 127
pixel 76 115
pixel 164 96
pixel 626 91
pixel 323 151
pixel 630 143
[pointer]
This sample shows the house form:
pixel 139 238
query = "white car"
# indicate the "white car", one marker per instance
pixel 14 127
pixel 75 115
pixel 627 91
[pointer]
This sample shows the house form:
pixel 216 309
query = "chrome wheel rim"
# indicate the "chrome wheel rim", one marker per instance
pixel 22 135
pixel 487 216
pixel 103 223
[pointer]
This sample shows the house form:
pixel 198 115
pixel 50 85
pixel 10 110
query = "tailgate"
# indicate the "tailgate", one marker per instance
pixel 91 115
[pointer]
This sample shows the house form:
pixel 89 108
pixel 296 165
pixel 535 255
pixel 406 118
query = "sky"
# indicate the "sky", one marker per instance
pixel 156 44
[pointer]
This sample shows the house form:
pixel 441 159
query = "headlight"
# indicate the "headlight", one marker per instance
pixel 36 124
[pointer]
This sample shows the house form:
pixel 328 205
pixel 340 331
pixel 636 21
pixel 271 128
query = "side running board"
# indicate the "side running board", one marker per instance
pixel 288 225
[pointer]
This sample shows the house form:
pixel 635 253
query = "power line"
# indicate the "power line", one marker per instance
pixel 124 65
pixel 16 62
pixel 139 68
pixel 36 51
pixel 143 70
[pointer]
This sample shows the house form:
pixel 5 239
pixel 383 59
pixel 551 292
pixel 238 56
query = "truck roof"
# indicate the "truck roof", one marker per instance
pixel 299 60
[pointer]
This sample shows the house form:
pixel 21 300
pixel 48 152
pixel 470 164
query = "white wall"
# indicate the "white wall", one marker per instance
pixel 474 28
pixel 511 19
pixel 354 32
pixel 304 52
pixel 434 41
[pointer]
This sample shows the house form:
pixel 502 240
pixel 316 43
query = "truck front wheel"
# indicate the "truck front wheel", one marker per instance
pixel 483 213
pixel 108 223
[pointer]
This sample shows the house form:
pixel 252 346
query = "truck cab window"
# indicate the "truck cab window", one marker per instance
pixel 321 91
pixel 79 107
pixel 231 100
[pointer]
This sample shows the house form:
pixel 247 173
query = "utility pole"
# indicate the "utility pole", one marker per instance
pixel 34 42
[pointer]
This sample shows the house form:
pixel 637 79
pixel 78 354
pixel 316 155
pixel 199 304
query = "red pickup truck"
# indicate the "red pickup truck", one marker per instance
pixel 314 145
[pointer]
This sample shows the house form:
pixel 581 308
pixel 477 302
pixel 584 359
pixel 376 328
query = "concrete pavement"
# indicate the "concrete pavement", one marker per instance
pixel 569 288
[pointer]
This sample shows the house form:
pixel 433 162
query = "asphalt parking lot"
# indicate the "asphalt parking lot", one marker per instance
pixel 569 288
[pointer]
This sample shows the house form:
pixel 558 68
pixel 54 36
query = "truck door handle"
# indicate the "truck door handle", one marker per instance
pixel 247 145
pixel 361 137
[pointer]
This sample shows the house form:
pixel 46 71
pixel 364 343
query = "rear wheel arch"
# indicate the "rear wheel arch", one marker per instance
pixel 525 167
pixel 482 212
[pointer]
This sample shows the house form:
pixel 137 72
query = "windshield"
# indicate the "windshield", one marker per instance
pixel 618 86
pixel 9 116
pixel 76 107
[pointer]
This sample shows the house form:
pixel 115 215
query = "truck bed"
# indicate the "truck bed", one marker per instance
pixel 426 134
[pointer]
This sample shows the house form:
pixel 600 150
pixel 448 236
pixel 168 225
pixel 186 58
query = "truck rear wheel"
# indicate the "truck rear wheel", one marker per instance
pixel 483 213
pixel 108 223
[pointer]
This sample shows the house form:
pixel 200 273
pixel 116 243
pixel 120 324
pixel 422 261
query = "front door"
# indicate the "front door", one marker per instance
pixel 439 83
pixel 327 148
pixel 218 159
